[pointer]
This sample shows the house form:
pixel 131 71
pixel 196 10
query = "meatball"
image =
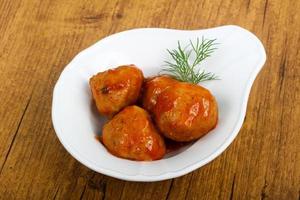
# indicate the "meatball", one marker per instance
pixel 117 88
pixel 153 87
pixel 184 112
pixel 130 134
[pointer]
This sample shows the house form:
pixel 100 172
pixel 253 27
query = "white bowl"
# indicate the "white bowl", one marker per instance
pixel 237 61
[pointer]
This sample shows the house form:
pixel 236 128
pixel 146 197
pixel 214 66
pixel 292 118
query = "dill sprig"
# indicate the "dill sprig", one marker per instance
pixel 183 69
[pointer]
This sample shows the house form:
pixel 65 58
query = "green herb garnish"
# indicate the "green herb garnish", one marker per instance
pixel 184 68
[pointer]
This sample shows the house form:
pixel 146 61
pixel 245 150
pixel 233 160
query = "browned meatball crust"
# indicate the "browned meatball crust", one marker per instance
pixel 130 134
pixel 185 112
pixel 153 87
pixel 116 88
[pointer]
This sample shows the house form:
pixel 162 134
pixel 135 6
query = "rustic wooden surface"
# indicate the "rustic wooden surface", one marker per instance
pixel 38 38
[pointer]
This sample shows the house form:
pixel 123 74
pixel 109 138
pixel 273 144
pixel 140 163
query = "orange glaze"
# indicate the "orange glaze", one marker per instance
pixel 185 112
pixel 153 87
pixel 115 89
pixel 130 134
pixel 171 145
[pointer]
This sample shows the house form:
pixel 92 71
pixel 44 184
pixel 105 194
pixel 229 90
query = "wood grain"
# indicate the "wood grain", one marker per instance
pixel 38 38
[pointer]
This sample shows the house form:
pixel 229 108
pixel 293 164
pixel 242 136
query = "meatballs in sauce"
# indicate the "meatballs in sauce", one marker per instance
pixel 185 112
pixel 177 111
pixel 131 134
pixel 115 89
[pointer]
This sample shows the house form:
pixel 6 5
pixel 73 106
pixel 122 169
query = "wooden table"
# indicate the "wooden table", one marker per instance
pixel 38 38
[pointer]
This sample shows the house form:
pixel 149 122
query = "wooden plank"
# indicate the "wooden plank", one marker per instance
pixel 38 38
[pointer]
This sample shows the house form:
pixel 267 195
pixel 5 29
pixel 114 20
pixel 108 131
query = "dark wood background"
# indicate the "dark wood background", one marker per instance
pixel 37 40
